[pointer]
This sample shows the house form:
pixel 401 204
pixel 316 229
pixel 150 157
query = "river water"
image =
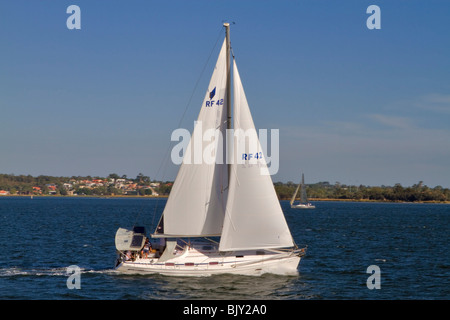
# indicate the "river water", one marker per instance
pixel 408 243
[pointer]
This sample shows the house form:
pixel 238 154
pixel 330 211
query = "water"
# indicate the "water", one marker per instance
pixel 41 237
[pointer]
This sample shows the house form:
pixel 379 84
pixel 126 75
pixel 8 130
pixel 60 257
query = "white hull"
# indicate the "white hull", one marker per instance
pixel 303 206
pixel 198 262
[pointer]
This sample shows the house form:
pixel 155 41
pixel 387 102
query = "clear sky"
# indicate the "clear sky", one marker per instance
pixel 352 105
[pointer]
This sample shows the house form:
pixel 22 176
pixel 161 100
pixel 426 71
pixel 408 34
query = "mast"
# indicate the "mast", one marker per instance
pixel 227 32
pixel 303 197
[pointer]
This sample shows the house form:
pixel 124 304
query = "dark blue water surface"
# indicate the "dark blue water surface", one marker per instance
pixel 41 237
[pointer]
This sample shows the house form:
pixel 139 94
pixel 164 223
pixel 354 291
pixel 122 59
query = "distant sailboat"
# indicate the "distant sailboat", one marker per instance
pixel 234 202
pixel 304 203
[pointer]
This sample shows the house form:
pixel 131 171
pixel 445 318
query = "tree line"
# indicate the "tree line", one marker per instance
pixel 24 185
pixel 324 190
pixel 46 185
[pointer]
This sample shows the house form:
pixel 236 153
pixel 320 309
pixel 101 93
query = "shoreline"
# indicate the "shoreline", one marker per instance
pixel 78 196
pixel 368 200
pixel 166 196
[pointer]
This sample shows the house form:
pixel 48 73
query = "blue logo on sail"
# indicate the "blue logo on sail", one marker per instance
pixel 212 93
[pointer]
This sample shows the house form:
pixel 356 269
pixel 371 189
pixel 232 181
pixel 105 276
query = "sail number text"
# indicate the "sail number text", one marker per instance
pixel 211 103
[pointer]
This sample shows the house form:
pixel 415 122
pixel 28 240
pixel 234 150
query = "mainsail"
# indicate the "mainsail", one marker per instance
pixel 253 218
pixel 195 207
pixel 246 213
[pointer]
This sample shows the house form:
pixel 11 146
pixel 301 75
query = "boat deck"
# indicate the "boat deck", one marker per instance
pixel 205 259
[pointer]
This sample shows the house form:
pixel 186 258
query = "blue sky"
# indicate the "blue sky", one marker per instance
pixel 352 105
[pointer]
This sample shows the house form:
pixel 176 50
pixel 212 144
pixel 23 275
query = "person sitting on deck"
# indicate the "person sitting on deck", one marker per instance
pixel 128 255
pixel 147 248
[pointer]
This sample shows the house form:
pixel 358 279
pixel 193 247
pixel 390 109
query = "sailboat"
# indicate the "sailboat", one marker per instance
pixel 304 203
pixel 221 217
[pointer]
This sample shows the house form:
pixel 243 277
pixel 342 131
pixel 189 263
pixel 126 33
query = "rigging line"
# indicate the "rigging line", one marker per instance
pixel 164 162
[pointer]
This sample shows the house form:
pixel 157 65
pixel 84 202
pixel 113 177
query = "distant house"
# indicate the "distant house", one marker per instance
pixel 4 193
pixel 68 186
pixel 51 188
pixel 99 182
pixel 37 190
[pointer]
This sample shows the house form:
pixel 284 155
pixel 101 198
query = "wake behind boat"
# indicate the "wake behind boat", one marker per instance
pixel 221 216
